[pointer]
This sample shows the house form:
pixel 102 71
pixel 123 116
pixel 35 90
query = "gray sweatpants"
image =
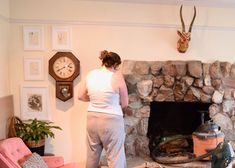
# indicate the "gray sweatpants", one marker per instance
pixel 105 131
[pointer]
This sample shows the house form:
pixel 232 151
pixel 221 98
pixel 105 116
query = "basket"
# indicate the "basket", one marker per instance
pixel 12 122
pixel 35 144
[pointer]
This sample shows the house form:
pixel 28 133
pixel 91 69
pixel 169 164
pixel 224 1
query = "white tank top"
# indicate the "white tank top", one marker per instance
pixel 102 96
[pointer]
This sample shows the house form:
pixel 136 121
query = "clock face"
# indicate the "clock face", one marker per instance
pixel 64 67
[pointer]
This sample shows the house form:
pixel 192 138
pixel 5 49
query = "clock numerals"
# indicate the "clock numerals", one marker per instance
pixel 64 67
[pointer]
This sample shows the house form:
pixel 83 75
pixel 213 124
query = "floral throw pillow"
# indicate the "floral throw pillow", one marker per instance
pixel 34 161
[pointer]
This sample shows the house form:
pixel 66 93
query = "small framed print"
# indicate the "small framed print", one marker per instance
pixel 34 102
pixel 33 37
pixel 61 38
pixel 33 68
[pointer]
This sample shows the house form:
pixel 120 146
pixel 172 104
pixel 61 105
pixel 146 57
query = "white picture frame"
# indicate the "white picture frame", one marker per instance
pixel 61 38
pixel 33 68
pixel 34 102
pixel 33 37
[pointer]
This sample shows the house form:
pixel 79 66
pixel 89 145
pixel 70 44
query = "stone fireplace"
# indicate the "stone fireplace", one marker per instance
pixel 176 82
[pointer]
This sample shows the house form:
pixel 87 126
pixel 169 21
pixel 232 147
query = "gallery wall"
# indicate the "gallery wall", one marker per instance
pixel 136 31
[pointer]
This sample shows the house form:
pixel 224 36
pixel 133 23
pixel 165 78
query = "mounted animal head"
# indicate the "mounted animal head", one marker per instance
pixel 182 44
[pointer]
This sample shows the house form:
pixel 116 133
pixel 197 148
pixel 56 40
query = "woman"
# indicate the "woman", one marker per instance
pixel 106 90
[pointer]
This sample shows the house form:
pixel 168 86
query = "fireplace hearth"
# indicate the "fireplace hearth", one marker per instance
pixel 176 83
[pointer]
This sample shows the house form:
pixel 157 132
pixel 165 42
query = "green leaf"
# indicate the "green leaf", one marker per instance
pixel 35 130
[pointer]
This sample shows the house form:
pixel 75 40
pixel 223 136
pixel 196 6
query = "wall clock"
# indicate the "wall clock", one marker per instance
pixel 64 67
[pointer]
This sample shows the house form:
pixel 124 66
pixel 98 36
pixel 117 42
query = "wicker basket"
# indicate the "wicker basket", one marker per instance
pixel 35 144
pixel 12 122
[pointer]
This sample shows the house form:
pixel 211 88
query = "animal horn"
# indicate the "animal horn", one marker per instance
pixel 194 16
pixel 181 18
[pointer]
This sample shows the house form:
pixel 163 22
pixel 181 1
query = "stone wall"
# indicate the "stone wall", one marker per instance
pixel 177 81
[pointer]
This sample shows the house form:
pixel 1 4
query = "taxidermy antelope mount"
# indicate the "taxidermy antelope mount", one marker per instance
pixel 182 44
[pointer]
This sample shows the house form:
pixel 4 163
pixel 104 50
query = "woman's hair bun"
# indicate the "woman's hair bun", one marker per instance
pixel 110 59
pixel 104 54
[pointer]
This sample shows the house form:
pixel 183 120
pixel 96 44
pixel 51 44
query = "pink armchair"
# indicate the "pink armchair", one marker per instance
pixel 14 149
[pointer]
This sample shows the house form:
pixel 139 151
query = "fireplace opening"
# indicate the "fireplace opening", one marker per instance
pixel 174 122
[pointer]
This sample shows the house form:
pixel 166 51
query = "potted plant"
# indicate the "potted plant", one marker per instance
pixel 33 133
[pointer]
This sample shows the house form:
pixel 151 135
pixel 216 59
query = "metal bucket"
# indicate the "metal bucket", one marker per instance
pixel 206 138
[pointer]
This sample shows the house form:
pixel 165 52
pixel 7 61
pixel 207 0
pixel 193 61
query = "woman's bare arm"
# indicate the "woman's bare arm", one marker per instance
pixel 123 91
pixel 82 92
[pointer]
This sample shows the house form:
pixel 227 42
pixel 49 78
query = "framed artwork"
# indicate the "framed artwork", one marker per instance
pixel 33 37
pixel 33 68
pixel 34 102
pixel 61 38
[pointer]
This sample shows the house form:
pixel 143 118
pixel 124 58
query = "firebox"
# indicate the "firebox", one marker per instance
pixel 175 119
